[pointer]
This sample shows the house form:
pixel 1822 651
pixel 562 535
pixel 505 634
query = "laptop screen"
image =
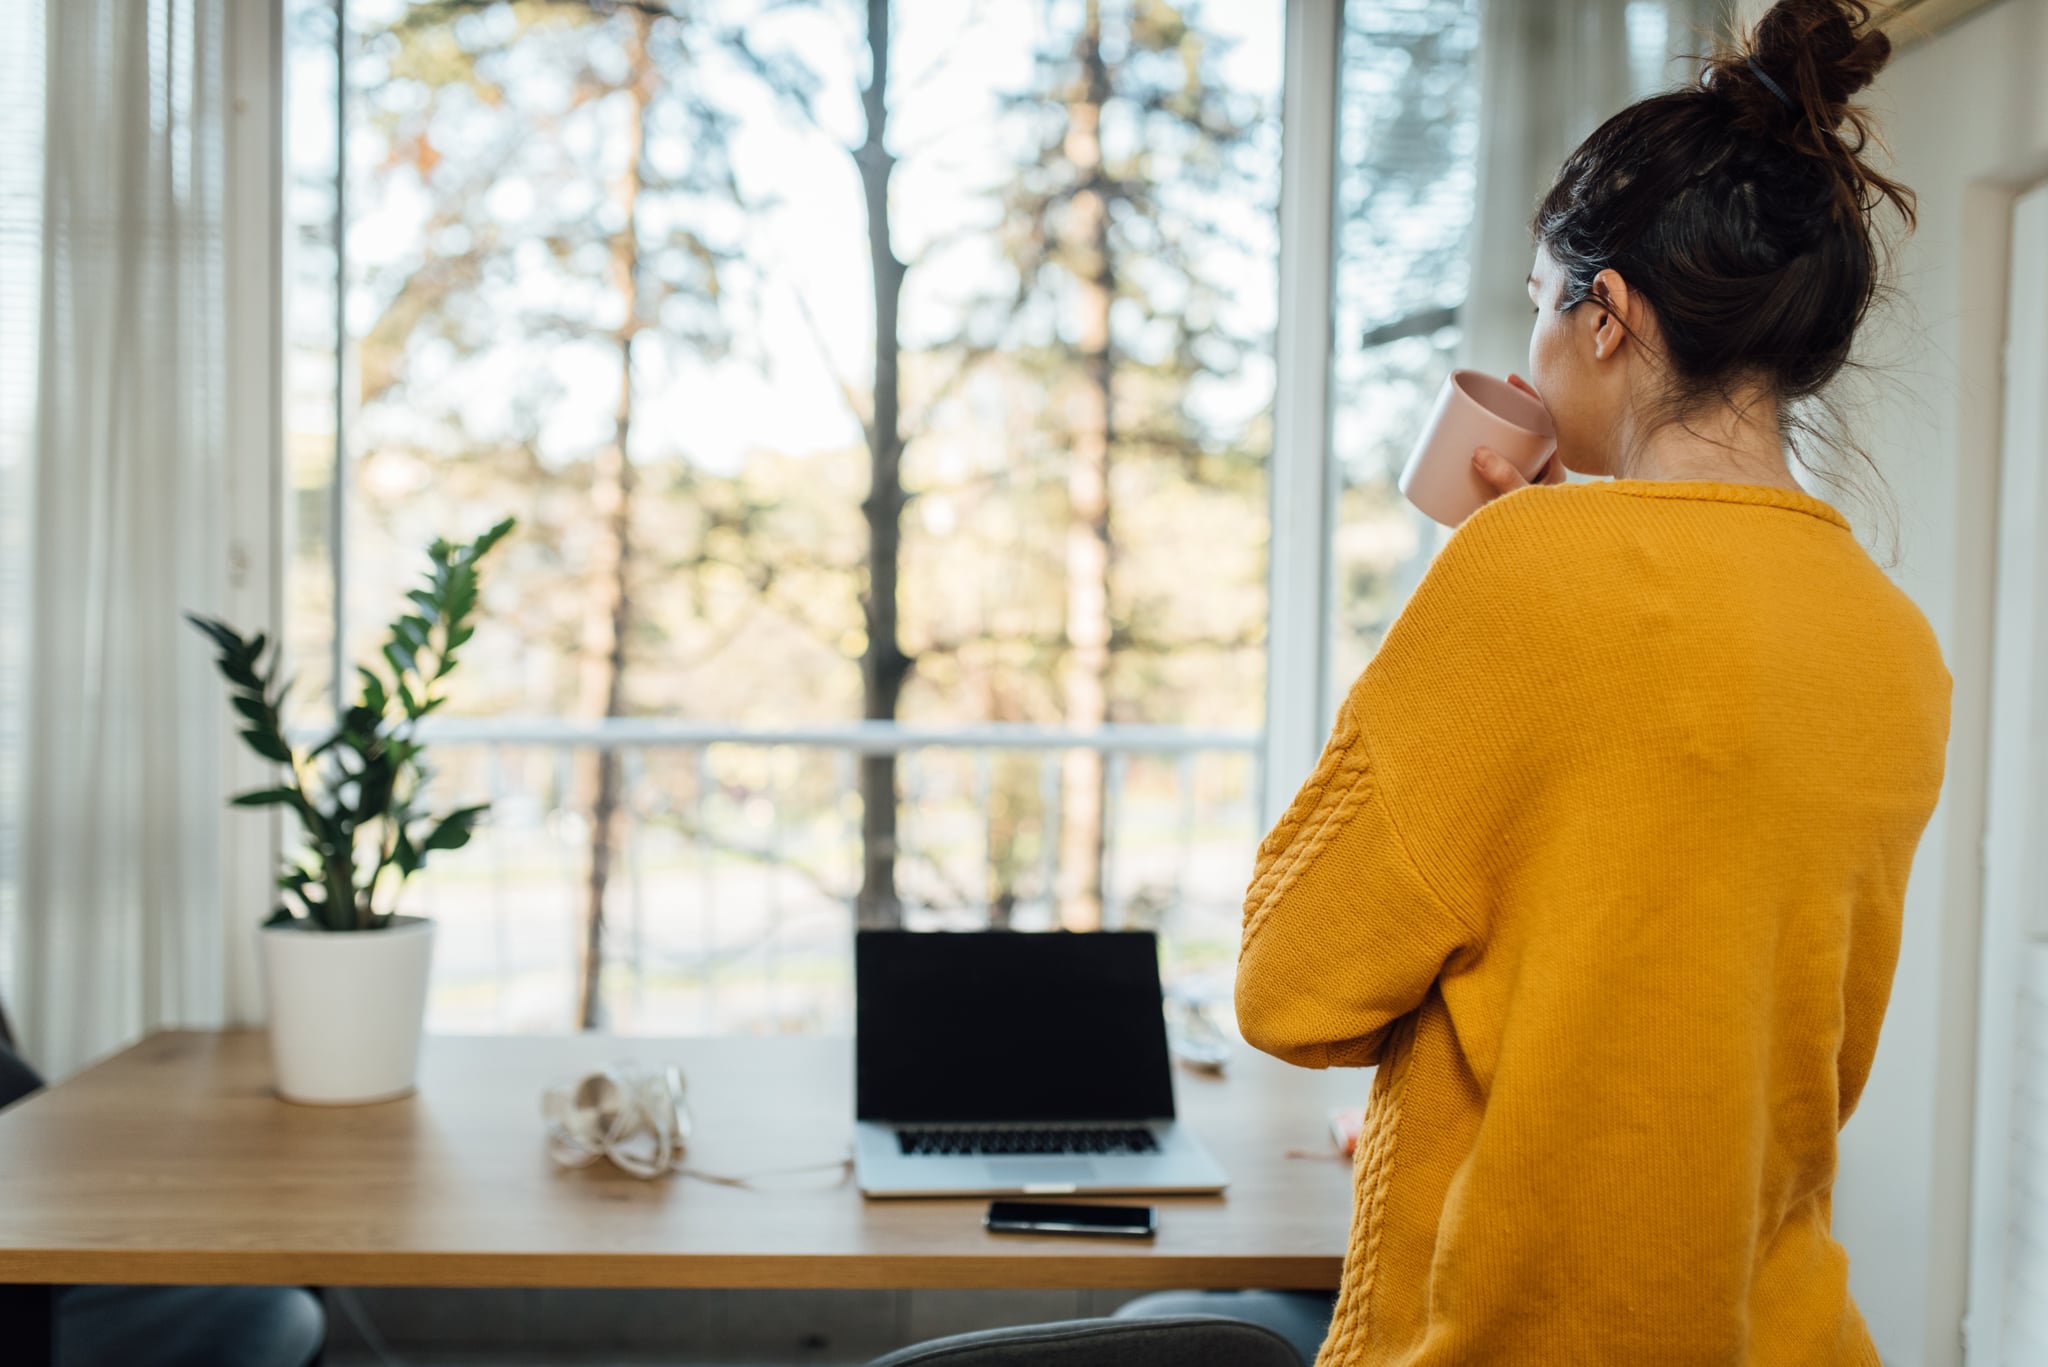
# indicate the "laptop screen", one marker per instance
pixel 1009 1026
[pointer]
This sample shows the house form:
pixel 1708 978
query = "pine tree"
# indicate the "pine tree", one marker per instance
pixel 554 253
pixel 1130 140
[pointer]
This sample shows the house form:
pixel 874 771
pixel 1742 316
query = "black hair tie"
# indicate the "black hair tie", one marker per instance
pixel 1772 85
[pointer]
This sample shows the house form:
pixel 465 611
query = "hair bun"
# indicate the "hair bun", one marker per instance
pixel 1793 77
pixel 1823 51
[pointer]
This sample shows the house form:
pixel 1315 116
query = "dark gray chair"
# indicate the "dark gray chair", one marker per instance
pixel 1180 1341
pixel 1300 1317
pixel 170 1326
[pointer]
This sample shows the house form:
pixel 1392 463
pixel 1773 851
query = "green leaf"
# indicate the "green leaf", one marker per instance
pixel 482 545
pixel 373 789
pixel 401 659
pixel 454 829
pixel 219 632
pixel 374 699
pixel 268 744
pixel 268 797
pixel 404 855
pixel 282 916
pixel 429 606
pixel 255 709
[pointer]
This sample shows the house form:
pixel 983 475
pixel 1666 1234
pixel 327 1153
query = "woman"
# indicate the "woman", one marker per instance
pixel 1603 865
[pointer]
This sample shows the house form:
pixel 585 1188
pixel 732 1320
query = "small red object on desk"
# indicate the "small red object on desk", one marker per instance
pixel 1345 1125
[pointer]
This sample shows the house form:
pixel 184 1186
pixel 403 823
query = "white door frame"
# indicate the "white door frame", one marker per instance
pixel 1303 504
pixel 2015 921
pixel 253 457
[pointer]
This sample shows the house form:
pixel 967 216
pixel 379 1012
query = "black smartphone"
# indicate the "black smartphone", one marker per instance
pixel 1059 1217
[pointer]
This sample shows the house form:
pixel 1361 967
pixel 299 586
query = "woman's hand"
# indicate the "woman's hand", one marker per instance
pixel 1505 478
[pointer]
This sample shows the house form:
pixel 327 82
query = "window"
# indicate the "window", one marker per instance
pixel 1407 157
pixel 611 269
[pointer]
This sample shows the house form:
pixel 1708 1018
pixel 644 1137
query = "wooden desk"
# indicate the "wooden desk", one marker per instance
pixel 174 1163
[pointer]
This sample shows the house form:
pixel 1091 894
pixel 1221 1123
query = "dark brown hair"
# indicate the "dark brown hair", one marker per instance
pixel 1742 209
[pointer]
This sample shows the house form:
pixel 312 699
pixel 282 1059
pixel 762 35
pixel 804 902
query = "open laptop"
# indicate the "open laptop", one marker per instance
pixel 1002 1062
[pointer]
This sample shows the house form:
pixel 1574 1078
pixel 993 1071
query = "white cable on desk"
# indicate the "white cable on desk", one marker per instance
pixel 633 1116
pixel 636 1117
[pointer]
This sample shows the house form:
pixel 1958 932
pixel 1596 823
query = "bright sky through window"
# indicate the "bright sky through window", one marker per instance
pixel 806 245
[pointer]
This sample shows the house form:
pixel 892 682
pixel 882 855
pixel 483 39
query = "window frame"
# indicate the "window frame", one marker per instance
pixel 253 473
pixel 1301 481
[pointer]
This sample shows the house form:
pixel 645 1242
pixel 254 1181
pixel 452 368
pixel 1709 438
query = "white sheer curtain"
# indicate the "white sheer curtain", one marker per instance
pixel 1550 73
pixel 21 219
pixel 114 511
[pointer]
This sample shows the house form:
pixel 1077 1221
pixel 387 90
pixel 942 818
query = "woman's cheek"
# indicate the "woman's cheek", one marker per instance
pixel 1553 380
pixel 1543 371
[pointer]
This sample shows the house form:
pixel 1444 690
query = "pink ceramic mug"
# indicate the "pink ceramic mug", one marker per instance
pixel 1474 410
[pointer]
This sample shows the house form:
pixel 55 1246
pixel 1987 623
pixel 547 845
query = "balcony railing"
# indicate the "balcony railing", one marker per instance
pixel 737 858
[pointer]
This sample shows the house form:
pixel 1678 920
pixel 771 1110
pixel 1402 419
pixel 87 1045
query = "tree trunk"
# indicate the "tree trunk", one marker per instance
pixel 884 666
pixel 1084 680
pixel 606 625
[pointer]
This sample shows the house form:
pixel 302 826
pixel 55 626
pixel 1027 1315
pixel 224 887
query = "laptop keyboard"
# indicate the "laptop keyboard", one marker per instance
pixel 967 1143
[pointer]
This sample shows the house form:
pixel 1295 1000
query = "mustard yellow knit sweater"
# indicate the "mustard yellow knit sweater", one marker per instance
pixel 1603 868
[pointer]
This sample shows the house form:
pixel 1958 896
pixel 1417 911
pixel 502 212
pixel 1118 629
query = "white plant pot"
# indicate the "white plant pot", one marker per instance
pixel 346 1009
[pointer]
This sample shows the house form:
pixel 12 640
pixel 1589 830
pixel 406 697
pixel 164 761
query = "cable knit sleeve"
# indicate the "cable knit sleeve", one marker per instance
pixel 1342 937
pixel 1366 888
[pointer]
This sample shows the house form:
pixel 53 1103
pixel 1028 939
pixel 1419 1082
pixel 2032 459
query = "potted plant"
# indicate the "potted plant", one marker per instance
pixel 344 971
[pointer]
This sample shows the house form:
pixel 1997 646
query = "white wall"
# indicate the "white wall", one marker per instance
pixel 2020 1326
pixel 1967 116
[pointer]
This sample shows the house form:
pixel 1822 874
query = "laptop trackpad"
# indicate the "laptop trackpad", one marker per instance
pixel 1040 1172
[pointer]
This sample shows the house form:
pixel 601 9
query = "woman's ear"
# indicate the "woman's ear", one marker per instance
pixel 1607 334
pixel 1611 325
